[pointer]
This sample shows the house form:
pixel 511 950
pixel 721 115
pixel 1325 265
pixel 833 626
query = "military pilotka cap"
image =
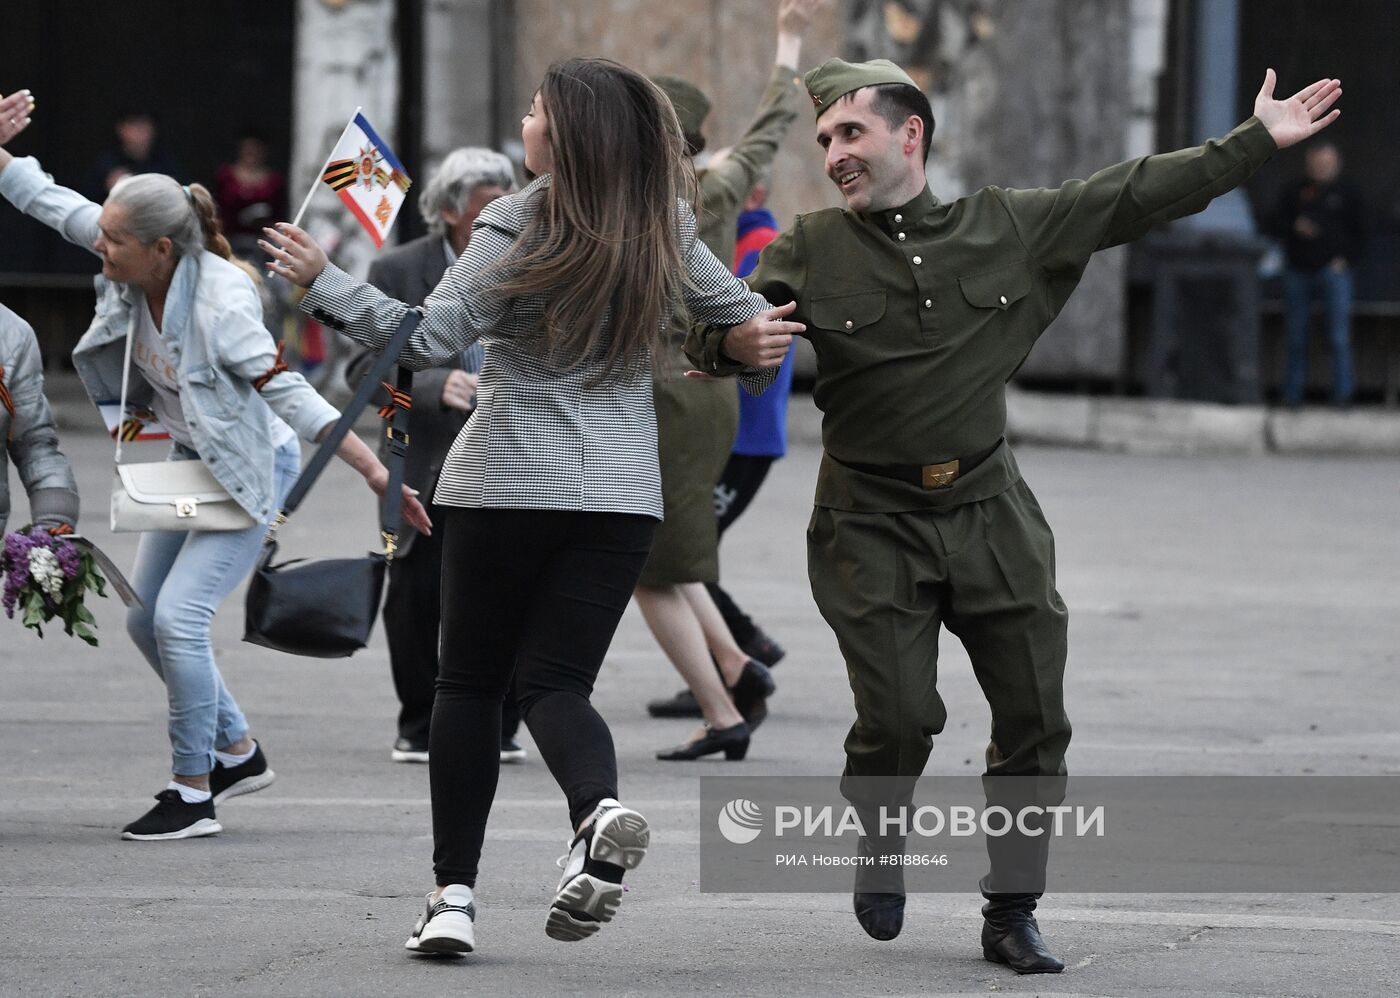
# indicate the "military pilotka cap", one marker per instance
pixel 690 103
pixel 835 78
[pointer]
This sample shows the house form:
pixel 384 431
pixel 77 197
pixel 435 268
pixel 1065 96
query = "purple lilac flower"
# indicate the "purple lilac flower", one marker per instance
pixel 16 565
pixel 68 559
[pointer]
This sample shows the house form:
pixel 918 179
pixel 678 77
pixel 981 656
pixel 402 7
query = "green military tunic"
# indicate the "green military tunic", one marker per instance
pixel 696 420
pixel 919 315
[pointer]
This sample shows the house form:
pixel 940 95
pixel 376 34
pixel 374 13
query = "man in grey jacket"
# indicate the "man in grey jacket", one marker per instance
pixel 26 427
pixel 468 180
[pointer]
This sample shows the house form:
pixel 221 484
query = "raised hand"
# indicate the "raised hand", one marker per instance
pixel 14 114
pixel 795 15
pixel 1300 116
pixel 296 256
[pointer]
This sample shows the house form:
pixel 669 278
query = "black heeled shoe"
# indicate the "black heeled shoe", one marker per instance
pixel 751 691
pixel 732 741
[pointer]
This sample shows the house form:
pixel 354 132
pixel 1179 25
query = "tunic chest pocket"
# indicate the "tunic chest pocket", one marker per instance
pixel 1000 288
pixel 849 312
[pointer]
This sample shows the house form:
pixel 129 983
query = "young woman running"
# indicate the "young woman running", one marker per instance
pixel 552 487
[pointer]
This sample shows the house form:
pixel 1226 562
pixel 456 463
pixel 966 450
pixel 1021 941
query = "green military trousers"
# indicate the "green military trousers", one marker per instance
pixel 888 582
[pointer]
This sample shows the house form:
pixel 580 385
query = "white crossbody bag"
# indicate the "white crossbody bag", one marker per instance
pixel 168 495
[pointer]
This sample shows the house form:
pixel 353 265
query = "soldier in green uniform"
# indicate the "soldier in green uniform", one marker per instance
pixel 920 311
pixel 696 423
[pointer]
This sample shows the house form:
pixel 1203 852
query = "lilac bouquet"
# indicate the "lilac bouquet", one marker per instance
pixel 47 576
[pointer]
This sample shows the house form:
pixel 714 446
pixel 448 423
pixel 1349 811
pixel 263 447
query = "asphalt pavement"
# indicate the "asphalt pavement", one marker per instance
pixel 1231 614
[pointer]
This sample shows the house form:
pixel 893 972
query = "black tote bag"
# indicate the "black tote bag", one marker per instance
pixel 325 608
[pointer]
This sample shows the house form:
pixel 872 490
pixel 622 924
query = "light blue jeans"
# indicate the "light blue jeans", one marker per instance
pixel 182 577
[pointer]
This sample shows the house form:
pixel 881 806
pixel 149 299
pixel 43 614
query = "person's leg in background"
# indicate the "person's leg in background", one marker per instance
pixel 412 615
pixel 743 475
pixel 1337 288
pixel 511 749
pixel 1297 297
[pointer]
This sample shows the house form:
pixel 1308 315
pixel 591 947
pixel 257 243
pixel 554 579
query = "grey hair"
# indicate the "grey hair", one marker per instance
pixel 157 206
pixel 461 173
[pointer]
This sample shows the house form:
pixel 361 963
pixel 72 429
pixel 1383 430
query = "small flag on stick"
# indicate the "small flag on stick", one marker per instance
pixel 367 176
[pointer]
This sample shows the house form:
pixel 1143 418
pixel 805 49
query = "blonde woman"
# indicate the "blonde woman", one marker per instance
pixel 205 364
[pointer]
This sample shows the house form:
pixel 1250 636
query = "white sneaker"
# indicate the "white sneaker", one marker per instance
pixel 447 925
pixel 614 839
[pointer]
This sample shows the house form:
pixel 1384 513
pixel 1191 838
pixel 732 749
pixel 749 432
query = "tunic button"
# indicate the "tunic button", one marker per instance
pixel 850 324
pixel 918 260
pixel 928 303
pixel 900 237
pixel 899 218
pixel 1003 299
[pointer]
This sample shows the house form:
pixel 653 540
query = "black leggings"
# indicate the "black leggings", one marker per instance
pixel 536 594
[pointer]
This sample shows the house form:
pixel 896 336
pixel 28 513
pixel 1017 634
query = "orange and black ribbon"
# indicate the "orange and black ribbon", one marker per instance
pixel 7 401
pixel 62 530
pixel 277 368
pixel 397 400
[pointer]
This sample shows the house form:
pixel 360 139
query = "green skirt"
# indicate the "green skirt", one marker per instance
pixel 696 421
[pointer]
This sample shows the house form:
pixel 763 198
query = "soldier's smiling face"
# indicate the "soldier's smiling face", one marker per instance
pixel 869 161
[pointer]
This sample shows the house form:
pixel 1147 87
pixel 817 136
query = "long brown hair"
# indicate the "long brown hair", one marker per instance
pixel 605 241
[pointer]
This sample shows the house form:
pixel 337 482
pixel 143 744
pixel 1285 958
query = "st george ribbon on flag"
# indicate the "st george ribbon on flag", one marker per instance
pixel 364 172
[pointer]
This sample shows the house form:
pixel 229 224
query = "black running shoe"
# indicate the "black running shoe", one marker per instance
pixel 245 778
pixel 410 750
pixel 172 818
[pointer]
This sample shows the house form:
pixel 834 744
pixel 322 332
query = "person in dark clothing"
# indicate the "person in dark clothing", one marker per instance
pixel 468 180
pixel 250 194
pixel 135 152
pixel 1320 221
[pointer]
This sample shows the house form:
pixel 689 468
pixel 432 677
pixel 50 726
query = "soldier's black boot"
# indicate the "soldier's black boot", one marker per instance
pixel 1011 936
pixel 879 893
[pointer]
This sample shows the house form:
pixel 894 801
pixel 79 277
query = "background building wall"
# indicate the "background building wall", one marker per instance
pixel 346 57
pixel 725 47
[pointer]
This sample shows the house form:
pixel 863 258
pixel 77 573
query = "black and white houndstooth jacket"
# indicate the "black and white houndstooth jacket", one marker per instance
pixel 541 437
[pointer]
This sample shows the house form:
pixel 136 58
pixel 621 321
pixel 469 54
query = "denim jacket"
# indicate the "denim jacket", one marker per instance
pixel 27 436
pixel 212 327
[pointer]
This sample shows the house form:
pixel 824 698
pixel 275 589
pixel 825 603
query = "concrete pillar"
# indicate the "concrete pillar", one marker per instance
pixel 345 56
pixel 1052 104
pixel 459 97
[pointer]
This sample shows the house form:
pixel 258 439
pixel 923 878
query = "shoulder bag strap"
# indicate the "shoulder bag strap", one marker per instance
pixel 398 433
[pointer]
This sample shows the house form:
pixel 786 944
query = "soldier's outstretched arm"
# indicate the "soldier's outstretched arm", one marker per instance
pixel 1060 228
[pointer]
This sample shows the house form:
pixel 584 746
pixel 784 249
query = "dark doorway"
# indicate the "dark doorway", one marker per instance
pixel 1351 40
pixel 204 71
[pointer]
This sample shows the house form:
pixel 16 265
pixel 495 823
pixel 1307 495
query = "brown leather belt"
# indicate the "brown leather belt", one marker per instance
pixel 928 476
